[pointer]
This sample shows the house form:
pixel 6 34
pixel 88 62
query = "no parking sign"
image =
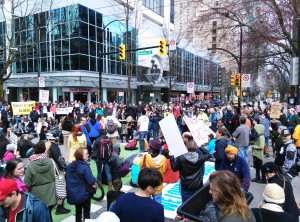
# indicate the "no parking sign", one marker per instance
pixel 246 80
pixel 190 87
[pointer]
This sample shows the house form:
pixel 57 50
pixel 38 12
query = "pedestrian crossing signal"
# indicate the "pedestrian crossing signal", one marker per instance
pixel 122 52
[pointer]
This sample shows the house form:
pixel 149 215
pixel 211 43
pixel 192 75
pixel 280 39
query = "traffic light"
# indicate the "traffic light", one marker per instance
pixel 245 93
pixel 1 53
pixel 122 52
pixel 232 80
pixel 162 48
pixel 237 80
pixel 238 93
pixel 219 76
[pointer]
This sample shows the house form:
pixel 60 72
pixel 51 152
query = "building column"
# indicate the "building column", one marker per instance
pixel 72 96
pixel 89 97
pixel 54 94
pixel 104 94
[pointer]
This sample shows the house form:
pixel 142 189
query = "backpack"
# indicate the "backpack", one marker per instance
pixel 111 127
pixel 131 145
pixel 105 149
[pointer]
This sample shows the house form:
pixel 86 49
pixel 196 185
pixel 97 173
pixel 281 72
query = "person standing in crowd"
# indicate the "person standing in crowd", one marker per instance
pixel 155 161
pixel 115 162
pixel 25 146
pixel 112 119
pixel 202 116
pixel 39 176
pixel 124 126
pixel 266 123
pixel 221 144
pixel 143 124
pixel 67 126
pixel 228 118
pixel 34 115
pixel 139 109
pixel 271 209
pixel 85 129
pixel 154 119
pixel 19 206
pixel 15 170
pixel 79 175
pixel 5 118
pixel 258 151
pixel 190 166
pixel 273 175
pixel 236 165
pixel 292 120
pixel 139 206
pixel 225 189
pixel 94 127
pixel 189 113
pixel 76 139
pixel 213 119
pixel 241 137
pixel 287 154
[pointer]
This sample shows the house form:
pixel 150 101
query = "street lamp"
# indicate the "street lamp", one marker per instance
pixel 101 57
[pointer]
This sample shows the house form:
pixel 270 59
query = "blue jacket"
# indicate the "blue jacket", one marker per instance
pixel 95 129
pixel 85 132
pixel 32 209
pixel 240 168
pixel 76 190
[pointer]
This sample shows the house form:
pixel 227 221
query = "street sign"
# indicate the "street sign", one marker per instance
pixel 190 87
pixel 172 44
pixel 41 82
pixel 246 80
pixel 145 52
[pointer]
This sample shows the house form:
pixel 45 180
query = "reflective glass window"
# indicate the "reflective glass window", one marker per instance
pixel 83 13
pixel 74 62
pixel 43 18
pixel 93 64
pixel 56 32
pixel 65 47
pixel 73 12
pixel 92 17
pixel 74 29
pixel 84 47
pixel 24 66
pixel 84 62
pixel 44 67
pixel 43 48
pixel 66 62
pixel 65 30
pixel 92 32
pixel 74 45
pixel 99 19
pixel 30 65
pixel 92 48
pixel 84 30
pixel 57 61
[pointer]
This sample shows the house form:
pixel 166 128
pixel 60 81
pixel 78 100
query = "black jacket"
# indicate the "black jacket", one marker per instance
pixel 219 153
pixel 24 147
pixel 34 116
pixel 55 154
pixel 3 143
pixel 190 169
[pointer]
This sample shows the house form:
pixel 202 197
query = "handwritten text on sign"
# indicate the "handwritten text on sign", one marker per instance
pixel 198 129
pixel 22 108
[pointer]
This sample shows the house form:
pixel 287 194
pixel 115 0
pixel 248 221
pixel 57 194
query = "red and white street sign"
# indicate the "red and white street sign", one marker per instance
pixel 246 80
pixel 190 87
pixel 172 44
pixel 41 82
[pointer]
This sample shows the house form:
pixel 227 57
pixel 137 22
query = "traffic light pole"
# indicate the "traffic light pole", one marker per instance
pixel 130 50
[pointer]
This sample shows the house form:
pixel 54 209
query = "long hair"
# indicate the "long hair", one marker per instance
pixel 11 166
pixel 229 194
pixel 75 130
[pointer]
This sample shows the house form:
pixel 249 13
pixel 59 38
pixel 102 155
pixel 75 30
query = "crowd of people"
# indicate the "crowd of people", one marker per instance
pixel 93 131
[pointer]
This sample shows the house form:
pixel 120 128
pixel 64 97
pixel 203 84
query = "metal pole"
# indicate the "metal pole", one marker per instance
pixel 37 46
pixel 240 64
pixel 298 91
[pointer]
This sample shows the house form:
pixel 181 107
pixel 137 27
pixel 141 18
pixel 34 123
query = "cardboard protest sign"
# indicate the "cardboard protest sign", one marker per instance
pixel 64 111
pixel 198 129
pixel 172 135
pixel 275 110
pixel 22 108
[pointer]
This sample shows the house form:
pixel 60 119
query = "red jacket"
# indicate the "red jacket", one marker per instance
pixel 170 176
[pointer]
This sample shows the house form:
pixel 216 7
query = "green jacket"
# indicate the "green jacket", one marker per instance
pixel 259 143
pixel 40 180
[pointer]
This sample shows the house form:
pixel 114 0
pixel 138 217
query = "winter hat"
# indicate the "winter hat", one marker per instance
pixel 108 217
pixel 231 149
pixel 270 167
pixel 273 193
pixel 155 144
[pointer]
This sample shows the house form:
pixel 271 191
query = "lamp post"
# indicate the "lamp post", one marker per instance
pixel 101 57
pixel 298 91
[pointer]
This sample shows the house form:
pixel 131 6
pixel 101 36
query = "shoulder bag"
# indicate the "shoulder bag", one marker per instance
pixel 60 186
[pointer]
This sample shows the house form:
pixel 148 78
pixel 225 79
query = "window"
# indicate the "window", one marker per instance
pixel 156 6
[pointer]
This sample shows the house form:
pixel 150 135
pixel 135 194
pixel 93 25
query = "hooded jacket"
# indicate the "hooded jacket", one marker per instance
pixel 74 145
pixel 76 189
pixel 39 179
pixel 219 153
pixel 158 163
pixel 190 169
pixel 259 143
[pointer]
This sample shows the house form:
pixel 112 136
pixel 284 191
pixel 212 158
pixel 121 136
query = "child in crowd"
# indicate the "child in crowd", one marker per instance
pixel 113 195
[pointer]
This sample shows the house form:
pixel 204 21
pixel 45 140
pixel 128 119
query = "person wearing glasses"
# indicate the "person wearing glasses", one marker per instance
pixel 15 205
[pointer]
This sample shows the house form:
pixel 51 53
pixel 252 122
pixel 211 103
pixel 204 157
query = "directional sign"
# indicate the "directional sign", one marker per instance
pixel 190 87
pixel 172 44
pixel 246 80
pixel 145 52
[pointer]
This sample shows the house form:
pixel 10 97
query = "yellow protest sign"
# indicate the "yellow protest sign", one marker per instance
pixel 22 108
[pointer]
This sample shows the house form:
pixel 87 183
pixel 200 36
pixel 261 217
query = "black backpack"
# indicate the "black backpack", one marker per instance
pixel 105 149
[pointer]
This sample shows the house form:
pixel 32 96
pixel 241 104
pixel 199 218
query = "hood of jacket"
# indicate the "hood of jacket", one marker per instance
pixel 260 129
pixel 156 162
pixel 42 165
pixel 191 157
pixel 223 138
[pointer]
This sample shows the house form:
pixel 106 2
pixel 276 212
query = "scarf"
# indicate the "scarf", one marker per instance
pixel 38 156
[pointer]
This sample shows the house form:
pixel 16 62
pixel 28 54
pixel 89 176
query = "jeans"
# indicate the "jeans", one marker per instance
pixel 243 152
pixel 155 134
pixel 157 197
pixel 103 163
pixel 86 206
pixel 142 135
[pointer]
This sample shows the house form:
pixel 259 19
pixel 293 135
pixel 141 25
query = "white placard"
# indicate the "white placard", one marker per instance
pixel 190 87
pixel 151 94
pixel 199 130
pixel 41 82
pixel 44 96
pixel 64 111
pixel 50 115
pixel 13 138
pixel 121 93
pixel 172 135
pixel 172 44
pixel 246 80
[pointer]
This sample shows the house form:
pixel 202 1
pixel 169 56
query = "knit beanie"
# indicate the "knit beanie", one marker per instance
pixel 231 149
pixel 273 193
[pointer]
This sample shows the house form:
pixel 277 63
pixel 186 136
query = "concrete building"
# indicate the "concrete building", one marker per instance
pixel 61 42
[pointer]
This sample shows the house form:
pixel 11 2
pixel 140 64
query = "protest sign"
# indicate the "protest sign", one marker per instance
pixel 275 110
pixel 22 108
pixel 50 115
pixel 172 135
pixel 198 129
pixel 44 96
pixel 64 111
pixel 13 138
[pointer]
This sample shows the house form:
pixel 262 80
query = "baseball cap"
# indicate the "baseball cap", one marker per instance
pixel 7 186
pixel 285 132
